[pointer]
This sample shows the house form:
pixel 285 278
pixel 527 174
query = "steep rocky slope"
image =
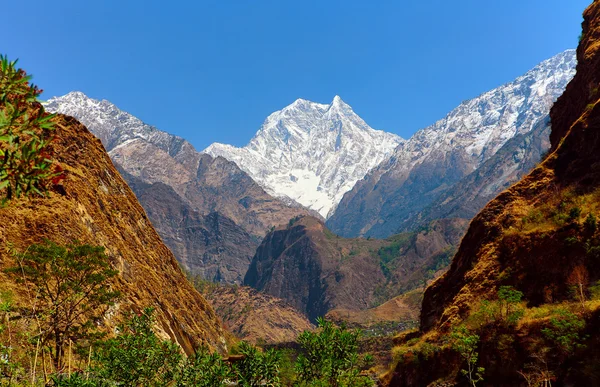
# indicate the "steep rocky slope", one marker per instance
pixel 95 206
pixel 435 158
pixel 254 316
pixel 540 237
pixel 212 246
pixel 311 153
pixel 526 217
pixel 317 271
pixel 204 184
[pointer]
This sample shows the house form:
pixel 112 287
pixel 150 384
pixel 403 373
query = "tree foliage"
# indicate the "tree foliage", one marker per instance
pixel 329 357
pixel 70 288
pixel 136 356
pixel 26 165
pixel 466 343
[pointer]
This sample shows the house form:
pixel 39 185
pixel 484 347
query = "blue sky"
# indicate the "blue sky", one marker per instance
pixel 213 70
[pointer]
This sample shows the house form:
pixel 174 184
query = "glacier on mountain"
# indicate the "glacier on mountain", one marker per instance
pixel 311 153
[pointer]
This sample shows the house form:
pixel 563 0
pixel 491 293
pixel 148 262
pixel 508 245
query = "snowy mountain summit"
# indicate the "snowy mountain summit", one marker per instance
pixel 311 153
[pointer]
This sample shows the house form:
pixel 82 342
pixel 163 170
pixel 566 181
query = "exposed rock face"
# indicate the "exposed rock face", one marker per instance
pixel 256 317
pixel 468 196
pixel 521 231
pixel 317 271
pixel 202 184
pixel 97 207
pixel 212 246
pixel 435 158
pixel 311 153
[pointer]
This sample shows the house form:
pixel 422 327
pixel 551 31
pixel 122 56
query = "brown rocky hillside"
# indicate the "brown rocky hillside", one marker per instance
pixel 317 271
pixel 95 206
pixel 254 316
pixel 540 237
pixel 520 237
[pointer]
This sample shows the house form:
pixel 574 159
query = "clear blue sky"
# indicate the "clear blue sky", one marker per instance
pixel 213 70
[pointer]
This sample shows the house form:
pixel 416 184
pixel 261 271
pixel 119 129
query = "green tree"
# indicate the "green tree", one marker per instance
pixel 26 164
pixel 466 343
pixel 204 369
pixel 329 357
pixel 71 287
pixel 257 368
pixel 136 356
pixel 509 299
pixel 564 331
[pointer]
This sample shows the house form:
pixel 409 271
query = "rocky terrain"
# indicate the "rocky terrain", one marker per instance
pixel 433 160
pixel 311 153
pixel 212 246
pixel 94 205
pixel 317 271
pixel 540 238
pixel 254 316
pixel 206 188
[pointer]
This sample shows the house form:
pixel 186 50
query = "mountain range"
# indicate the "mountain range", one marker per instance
pixel 200 204
pixel 213 208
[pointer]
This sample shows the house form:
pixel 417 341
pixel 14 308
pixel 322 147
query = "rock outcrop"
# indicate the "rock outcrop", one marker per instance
pixel 317 271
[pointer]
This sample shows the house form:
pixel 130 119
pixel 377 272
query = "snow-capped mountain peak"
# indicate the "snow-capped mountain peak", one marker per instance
pixel 310 152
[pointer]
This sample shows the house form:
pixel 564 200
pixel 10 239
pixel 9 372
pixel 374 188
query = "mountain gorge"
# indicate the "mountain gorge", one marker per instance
pixel 311 153
pixel 317 271
pixel 389 199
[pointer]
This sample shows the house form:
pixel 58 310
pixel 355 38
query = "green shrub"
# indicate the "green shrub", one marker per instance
pixel 564 331
pixel 136 356
pixel 257 368
pixel 329 357
pixel 203 369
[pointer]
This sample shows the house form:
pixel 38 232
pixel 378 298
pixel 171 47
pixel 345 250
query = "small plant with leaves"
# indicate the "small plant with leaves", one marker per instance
pixel 204 369
pixel 465 342
pixel 26 165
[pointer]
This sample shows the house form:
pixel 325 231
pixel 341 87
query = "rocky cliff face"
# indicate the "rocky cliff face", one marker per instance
pixel 317 271
pixel 212 246
pixel 522 231
pixel 202 185
pixel 421 169
pixel 96 206
pixel 311 153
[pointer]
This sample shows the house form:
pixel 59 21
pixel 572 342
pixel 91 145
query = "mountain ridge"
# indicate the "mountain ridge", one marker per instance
pixel 437 157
